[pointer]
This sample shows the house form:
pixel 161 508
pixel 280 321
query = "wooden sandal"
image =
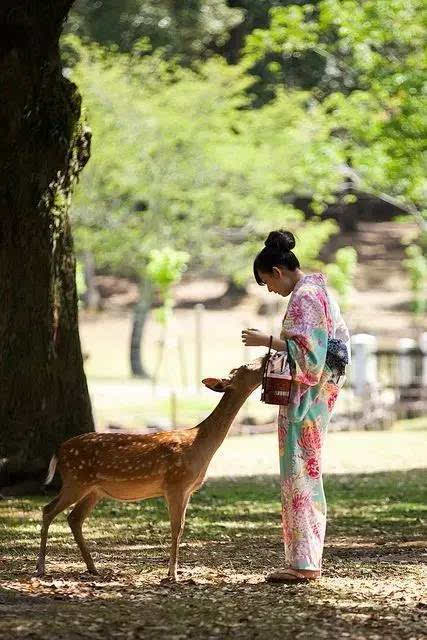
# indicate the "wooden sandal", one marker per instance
pixel 290 576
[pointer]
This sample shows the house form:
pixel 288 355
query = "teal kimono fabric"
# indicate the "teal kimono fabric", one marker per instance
pixel 303 423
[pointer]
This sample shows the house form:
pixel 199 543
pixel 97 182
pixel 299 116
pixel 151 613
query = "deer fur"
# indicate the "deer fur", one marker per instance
pixel 94 466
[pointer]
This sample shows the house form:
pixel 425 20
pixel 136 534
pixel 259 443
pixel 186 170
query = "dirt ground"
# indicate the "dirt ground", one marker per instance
pixel 374 572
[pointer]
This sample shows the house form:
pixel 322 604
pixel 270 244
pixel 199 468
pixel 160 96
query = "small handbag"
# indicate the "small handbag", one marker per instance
pixel 277 378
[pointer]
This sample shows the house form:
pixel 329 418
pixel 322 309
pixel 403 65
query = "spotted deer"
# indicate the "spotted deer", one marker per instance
pixel 94 466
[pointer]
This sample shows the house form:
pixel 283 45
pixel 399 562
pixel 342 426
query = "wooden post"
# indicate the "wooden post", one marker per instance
pixel 364 363
pixel 173 409
pixel 406 363
pixel 181 355
pixel 198 317
pixel 422 341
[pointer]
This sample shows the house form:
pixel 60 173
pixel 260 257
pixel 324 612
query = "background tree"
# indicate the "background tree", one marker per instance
pixel 341 274
pixel 196 168
pixel 375 50
pixel 43 147
pixel 165 269
pixel 188 31
pixel 416 266
pixel 194 30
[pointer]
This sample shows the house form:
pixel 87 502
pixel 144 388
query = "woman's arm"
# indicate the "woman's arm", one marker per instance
pixel 254 338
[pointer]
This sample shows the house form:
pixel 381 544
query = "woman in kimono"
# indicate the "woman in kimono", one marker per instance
pixel 312 318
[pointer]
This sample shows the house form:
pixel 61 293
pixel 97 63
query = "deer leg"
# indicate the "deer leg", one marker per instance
pixel 50 511
pixel 177 503
pixel 75 520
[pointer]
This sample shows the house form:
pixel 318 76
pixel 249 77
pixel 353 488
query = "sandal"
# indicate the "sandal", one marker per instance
pixel 290 576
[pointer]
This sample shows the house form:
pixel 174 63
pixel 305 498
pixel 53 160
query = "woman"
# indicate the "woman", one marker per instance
pixel 311 319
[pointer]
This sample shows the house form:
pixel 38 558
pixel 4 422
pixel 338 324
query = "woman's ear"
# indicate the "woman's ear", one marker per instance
pixel 276 272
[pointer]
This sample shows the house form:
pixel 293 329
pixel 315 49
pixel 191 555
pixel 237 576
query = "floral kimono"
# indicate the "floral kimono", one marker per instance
pixel 303 423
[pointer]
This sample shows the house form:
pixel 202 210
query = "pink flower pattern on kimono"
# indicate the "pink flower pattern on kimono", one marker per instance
pixel 300 501
pixel 311 438
pixel 308 378
pixel 317 530
pixel 282 431
pixel 296 314
pixel 307 325
pixel 332 393
pixel 313 467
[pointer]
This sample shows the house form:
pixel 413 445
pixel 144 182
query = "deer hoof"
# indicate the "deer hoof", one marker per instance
pixel 170 579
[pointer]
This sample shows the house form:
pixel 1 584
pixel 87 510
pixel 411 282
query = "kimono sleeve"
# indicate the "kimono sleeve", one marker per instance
pixel 307 337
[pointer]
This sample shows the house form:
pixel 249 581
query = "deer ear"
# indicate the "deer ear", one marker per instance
pixel 216 384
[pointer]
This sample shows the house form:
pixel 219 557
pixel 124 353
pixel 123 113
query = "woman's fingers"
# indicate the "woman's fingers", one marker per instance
pixel 246 332
pixel 249 337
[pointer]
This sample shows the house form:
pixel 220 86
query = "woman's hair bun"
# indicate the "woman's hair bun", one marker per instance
pixel 281 240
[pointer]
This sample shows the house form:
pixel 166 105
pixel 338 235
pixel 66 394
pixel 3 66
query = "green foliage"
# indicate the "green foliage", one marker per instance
pixel 374 50
pixel 416 267
pixel 179 160
pixel 341 274
pixel 186 30
pixel 311 238
pixel 165 269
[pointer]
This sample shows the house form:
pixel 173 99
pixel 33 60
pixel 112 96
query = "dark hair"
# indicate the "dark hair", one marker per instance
pixel 277 252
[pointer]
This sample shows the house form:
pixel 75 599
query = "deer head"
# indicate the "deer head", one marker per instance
pixel 243 379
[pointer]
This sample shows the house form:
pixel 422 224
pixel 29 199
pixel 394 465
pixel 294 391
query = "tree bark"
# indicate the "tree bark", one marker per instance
pixel 44 398
pixel 140 314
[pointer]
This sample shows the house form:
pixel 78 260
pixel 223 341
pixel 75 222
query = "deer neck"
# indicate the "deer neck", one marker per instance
pixel 212 431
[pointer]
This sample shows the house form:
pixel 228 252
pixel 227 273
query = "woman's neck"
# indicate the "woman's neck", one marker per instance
pixel 297 276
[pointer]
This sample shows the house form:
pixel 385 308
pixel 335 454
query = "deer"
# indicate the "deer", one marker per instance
pixel 172 465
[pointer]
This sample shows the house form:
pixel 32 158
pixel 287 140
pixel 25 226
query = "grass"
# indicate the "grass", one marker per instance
pixel 134 405
pixel 372 584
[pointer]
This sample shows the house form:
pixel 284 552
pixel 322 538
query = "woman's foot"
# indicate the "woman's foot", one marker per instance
pixel 291 576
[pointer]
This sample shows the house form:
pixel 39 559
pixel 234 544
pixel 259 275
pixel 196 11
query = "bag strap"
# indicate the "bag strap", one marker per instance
pixel 264 373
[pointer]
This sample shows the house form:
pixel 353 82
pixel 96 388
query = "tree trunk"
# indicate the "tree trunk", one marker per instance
pixel 141 312
pixel 43 146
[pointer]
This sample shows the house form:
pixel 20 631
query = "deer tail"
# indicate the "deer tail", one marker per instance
pixel 52 468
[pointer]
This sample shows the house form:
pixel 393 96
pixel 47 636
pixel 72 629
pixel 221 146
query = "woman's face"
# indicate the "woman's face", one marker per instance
pixel 280 280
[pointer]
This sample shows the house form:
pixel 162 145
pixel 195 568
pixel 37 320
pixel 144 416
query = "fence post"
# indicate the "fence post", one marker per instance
pixel 173 409
pixel 198 315
pixel 423 346
pixel 364 363
pixel 406 363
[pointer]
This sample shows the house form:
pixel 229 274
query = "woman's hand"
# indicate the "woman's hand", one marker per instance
pixel 254 338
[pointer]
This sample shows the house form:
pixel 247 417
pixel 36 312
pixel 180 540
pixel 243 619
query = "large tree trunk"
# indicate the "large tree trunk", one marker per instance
pixel 43 146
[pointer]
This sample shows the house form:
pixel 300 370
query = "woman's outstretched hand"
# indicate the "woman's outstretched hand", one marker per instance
pixel 254 338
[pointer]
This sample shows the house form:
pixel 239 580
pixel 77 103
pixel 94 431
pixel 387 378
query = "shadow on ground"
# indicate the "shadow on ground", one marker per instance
pixel 371 588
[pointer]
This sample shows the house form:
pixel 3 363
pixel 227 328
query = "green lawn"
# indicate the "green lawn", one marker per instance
pixel 373 571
